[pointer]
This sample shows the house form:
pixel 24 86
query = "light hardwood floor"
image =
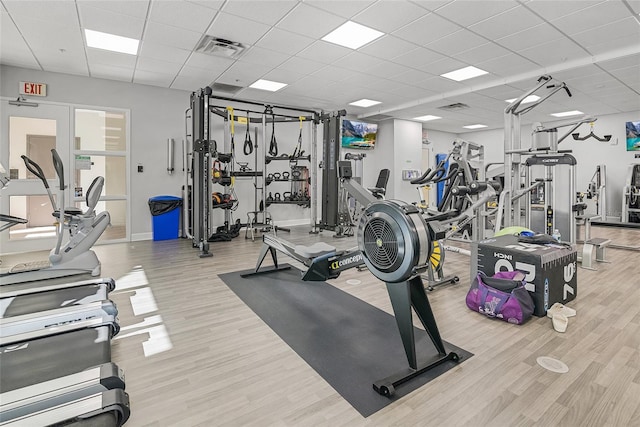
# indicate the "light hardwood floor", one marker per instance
pixel 227 368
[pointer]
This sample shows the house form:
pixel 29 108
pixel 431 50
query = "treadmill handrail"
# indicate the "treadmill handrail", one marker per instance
pixel 111 285
pixel 84 324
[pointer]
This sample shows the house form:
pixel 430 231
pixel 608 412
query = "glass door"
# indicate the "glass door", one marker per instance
pixel 101 149
pixel 32 131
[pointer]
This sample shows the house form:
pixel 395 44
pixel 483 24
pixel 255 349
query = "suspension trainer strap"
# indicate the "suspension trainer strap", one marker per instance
pixel 273 145
pixel 248 144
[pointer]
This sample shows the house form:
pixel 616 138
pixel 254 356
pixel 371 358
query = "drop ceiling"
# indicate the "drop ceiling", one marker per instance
pixel 592 45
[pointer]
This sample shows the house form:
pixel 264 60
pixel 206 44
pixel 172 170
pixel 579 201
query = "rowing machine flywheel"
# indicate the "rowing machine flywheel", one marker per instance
pixel 394 240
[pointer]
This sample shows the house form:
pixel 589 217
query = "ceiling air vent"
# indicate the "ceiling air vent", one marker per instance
pixel 454 107
pixel 211 45
pixel 225 88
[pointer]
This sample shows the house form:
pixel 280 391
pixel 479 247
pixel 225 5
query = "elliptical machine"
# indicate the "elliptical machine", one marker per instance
pixel 85 228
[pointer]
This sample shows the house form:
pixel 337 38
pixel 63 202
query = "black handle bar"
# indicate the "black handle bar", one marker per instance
pixel 35 169
pixel 59 167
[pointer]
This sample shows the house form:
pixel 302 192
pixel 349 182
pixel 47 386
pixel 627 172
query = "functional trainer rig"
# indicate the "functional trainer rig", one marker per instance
pixel 394 241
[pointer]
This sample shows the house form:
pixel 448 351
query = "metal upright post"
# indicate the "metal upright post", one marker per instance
pixel 314 177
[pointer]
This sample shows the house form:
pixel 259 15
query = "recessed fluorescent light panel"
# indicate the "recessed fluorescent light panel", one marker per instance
pixel 352 35
pixel 529 99
pixel 364 103
pixel 426 118
pixel 567 113
pixel 478 126
pixel 267 85
pixel 111 42
pixel 464 73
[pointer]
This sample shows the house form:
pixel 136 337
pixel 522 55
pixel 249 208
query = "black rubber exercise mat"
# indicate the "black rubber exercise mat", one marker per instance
pixel 348 342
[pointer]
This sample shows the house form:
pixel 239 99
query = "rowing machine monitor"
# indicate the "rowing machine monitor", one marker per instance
pixel 344 169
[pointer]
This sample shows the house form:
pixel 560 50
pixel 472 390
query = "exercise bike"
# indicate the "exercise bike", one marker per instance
pixel 85 228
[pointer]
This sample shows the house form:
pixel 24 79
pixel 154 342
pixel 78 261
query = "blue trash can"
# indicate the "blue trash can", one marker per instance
pixel 165 211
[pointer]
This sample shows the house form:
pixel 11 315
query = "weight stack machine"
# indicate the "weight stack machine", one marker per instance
pixel 331 132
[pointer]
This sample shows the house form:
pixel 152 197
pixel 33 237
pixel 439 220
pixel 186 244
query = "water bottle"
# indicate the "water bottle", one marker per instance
pixel 556 235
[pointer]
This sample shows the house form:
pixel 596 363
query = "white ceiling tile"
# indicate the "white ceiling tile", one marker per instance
pixel 427 29
pixel 182 14
pixel 284 41
pixel 78 68
pixel 153 50
pixel 189 83
pixel 609 45
pixel 419 58
pixel 507 65
pixel 345 8
pixel 357 61
pixel 505 23
pixel 171 36
pixel 620 63
pixel 387 69
pixel 58 58
pixel 334 73
pixel 111 72
pixel 592 17
pixel 61 12
pixel 554 52
pixel 324 52
pixel 388 16
pixel 457 42
pixel 157 66
pixel 431 5
pixel 444 66
pixel 481 53
pixel 237 29
pixel 366 81
pixel 550 10
pixel 110 22
pixel 200 74
pixel 283 76
pixel 49 34
pixel 18 58
pixel 100 56
pixel 243 74
pixel 302 65
pixel 265 11
pixel 137 8
pixel 465 12
pixel 625 32
pixel 211 4
pixel 209 62
pixel 152 78
pixel 310 21
pixel 412 92
pixel 578 73
pixel 265 57
pixel 530 37
pixel 388 47
pixel 411 76
pixel 438 84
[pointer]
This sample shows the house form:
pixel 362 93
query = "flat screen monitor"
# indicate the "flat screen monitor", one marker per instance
pixel 358 134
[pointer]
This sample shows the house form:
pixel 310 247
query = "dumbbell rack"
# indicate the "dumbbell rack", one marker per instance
pixel 293 163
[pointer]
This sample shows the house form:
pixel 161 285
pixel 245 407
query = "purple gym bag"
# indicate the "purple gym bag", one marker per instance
pixel 502 296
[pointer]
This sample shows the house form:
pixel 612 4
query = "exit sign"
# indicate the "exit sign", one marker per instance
pixel 33 89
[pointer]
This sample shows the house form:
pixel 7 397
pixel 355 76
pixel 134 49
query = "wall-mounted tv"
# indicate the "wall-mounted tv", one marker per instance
pixel 633 136
pixel 358 134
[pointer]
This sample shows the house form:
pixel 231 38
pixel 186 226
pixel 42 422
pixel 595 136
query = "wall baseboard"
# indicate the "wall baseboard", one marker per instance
pixel 293 222
pixel 136 237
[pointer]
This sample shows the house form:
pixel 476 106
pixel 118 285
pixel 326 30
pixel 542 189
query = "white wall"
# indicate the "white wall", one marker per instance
pixel 588 153
pixel 408 155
